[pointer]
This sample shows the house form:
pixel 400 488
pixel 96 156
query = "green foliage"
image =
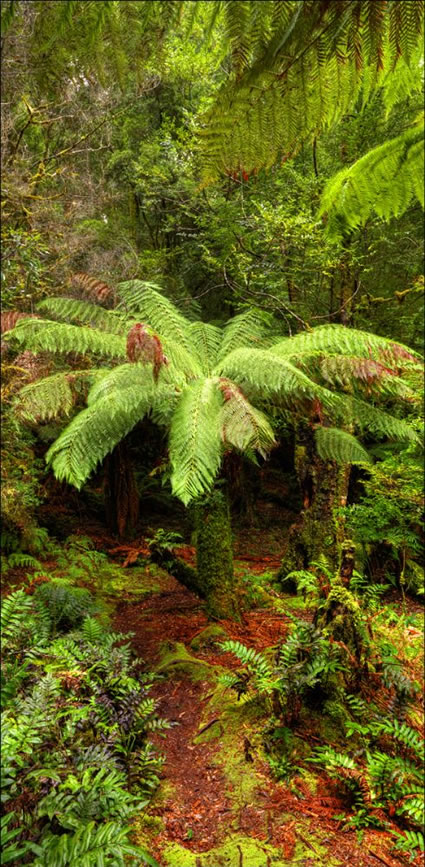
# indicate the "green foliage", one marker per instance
pixel 384 181
pixel 389 515
pixel 337 445
pixel 74 703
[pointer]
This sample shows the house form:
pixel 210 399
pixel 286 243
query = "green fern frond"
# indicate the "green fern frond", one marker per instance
pixel 14 610
pixel 254 661
pixel 205 341
pixel 195 439
pixel 384 181
pixel 84 313
pixel 39 334
pixel 147 301
pixel 122 377
pixel 243 426
pixel 96 431
pixel 271 375
pixel 337 445
pixel 88 845
pixel 341 340
pixel 352 411
pixel 52 396
pixel 248 329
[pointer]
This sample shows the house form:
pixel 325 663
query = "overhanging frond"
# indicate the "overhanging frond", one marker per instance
pixel 384 182
pixel 243 426
pixel 52 396
pixel 61 338
pixel 195 439
pixel 337 445
pixel 96 431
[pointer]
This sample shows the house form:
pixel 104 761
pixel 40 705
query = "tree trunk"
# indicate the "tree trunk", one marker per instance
pixel 120 491
pixel 324 487
pixel 215 557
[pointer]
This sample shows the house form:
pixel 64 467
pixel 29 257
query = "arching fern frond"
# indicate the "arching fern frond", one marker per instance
pixel 351 410
pixel 341 340
pixel 146 300
pixel 337 445
pixel 243 426
pixel 84 313
pixel 195 439
pixel 384 182
pixel 96 431
pixel 52 396
pixel 120 378
pixel 271 375
pixel 58 337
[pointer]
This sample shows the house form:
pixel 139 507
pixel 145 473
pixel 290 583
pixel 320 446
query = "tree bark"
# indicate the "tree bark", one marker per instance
pixel 120 491
pixel 216 578
pixel 324 487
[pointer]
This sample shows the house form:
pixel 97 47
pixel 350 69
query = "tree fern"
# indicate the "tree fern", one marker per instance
pixel 337 445
pixel 195 439
pixel 383 181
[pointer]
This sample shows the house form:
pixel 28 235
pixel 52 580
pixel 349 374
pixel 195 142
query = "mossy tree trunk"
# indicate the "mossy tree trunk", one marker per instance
pixel 216 577
pixel 324 488
pixel 120 492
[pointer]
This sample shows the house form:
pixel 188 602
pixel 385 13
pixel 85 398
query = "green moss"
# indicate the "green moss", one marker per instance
pixel 177 658
pixel 249 852
pixel 215 556
pixel 209 636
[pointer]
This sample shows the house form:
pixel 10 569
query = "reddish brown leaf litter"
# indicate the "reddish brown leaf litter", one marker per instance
pixel 200 812
pixel 199 806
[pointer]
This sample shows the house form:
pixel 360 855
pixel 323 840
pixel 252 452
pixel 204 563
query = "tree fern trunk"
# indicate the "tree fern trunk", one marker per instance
pixel 215 557
pixel 324 487
pixel 120 491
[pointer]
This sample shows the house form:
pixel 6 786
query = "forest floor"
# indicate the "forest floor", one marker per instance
pixel 218 804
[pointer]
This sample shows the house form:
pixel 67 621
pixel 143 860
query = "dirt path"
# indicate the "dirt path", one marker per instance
pixel 218 803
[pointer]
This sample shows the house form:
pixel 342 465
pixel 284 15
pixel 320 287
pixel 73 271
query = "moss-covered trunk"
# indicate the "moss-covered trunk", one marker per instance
pixel 215 557
pixel 324 488
pixel 120 491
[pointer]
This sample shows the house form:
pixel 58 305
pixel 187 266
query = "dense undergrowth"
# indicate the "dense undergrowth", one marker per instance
pixel 77 764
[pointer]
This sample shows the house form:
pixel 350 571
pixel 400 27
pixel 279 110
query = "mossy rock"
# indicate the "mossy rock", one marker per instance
pixel 209 636
pixel 175 657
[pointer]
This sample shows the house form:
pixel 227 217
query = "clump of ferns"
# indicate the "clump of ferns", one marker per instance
pixel 303 671
pixel 77 764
